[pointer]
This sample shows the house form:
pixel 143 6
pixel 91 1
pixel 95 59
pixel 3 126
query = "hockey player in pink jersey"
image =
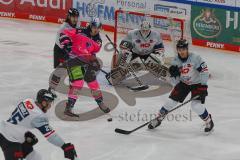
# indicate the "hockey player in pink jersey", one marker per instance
pixel 82 65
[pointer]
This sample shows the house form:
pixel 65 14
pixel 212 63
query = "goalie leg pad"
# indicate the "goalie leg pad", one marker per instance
pixel 156 69
pixel 117 75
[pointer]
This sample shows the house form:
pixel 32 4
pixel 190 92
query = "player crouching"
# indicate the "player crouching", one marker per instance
pixel 142 46
pixel 191 74
pixel 17 141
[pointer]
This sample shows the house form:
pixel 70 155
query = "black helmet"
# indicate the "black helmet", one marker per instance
pixel 45 95
pixel 73 12
pixel 182 43
pixel 95 23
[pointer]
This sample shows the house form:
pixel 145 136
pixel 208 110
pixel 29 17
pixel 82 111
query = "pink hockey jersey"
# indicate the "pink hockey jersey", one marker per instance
pixel 82 46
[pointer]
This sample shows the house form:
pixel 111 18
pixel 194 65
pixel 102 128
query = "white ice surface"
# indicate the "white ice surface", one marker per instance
pixel 25 65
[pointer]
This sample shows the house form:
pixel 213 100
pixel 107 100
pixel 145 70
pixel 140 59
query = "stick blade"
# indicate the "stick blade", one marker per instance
pixel 121 131
pixel 138 88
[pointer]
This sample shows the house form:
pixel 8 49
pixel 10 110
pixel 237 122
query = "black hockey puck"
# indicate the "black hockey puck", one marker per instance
pixel 109 119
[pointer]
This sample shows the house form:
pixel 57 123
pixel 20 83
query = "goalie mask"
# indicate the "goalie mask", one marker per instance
pixel 145 28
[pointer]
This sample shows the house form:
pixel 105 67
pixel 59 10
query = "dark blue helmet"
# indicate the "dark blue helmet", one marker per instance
pixel 96 23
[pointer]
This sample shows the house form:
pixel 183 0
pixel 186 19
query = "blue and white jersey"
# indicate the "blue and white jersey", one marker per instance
pixel 26 116
pixel 193 71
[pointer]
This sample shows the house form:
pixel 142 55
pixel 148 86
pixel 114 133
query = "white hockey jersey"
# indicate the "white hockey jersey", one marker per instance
pixel 25 117
pixel 144 46
pixel 193 71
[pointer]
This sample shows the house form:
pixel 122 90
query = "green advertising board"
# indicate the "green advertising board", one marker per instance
pixel 216 25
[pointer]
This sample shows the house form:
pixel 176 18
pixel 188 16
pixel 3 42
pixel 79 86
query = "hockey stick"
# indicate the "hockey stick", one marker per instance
pixel 126 132
pixel 141 86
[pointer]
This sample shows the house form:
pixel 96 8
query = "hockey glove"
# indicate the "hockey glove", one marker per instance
pixel 69 151
pixel 30 141
pixel 30 138
pixel 66 44
pixel 174 71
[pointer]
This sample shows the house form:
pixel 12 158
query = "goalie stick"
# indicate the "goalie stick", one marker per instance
pixel 126 132
pixel 130 68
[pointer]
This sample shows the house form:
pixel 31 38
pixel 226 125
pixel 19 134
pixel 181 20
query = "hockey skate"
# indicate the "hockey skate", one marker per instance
pixel 102 106
pixel 209 124
pixel 157 121
pixel 68 111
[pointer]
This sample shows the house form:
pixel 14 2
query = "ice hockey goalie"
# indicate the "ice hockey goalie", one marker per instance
pixel 143 49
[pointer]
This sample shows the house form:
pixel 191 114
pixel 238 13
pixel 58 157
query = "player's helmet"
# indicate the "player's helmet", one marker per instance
pixel 45 95
pixel 95 23
pixel 73 12
pixel 145 25
pixel 182 43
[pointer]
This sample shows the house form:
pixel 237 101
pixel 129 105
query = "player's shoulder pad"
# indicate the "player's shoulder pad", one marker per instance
pixel 134 31
pixel 195 57
pixel 40 121
pixel 65 25
pixel 176 61
pixel 155 32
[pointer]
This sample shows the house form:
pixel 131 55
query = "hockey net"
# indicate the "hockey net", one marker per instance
pixel 171 29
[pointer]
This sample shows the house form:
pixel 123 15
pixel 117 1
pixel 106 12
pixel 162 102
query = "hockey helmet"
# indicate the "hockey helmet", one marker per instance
pixel 73 12
pixel 182 43
pixel 95 23
pixel 45 95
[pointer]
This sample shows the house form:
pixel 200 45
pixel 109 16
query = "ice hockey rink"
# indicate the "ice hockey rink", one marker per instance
pixel 25 67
